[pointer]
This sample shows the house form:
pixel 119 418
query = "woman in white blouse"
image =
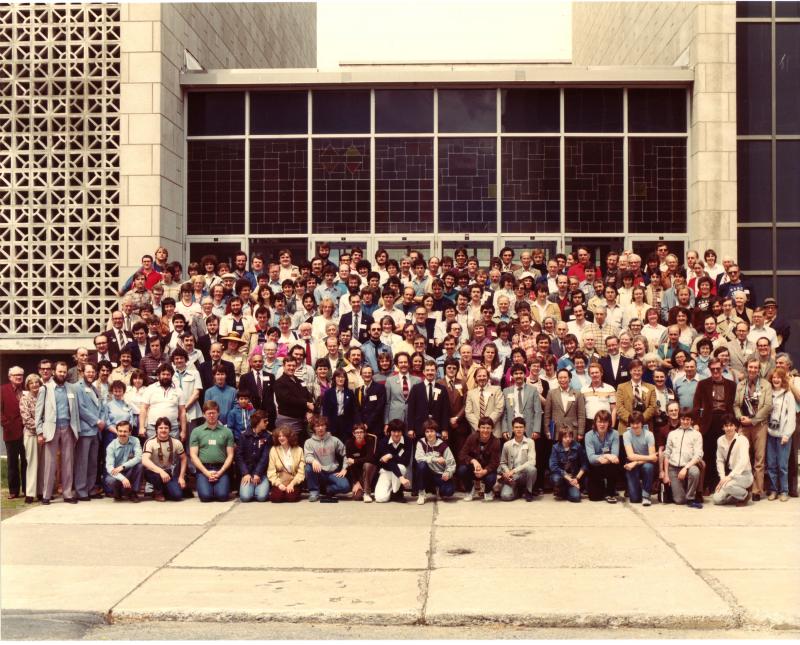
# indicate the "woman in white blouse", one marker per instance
pixel 327 315
pixel 733 465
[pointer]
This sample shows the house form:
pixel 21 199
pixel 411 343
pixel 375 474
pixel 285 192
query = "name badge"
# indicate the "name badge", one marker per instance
pixel 436 395
pixel 400 454
pixel 70 395
pixel 459 386
pixel 212 442
pixel 571 399
pixel 362 326
pixel 623 373
pixel 373 397
pixel 87 390
pixel 511 399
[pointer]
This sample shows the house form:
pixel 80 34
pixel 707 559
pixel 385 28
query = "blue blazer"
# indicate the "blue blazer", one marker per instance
pixel 91 408
pixel 365 320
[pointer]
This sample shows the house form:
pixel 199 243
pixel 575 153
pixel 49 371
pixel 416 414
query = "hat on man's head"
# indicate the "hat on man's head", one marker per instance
pixel 770 301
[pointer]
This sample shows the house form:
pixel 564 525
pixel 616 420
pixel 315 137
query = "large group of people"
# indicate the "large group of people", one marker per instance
pixel 660 376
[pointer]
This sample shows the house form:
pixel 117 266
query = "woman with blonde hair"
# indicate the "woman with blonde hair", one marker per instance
pixel 34 453
pixel 780 427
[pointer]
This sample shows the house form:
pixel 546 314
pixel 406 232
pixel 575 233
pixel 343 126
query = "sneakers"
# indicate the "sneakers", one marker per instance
pixel 697 505
pixel 468 497
pixel 488 496
pixel 784 497
pixel 367 498
pixel 159 497
pixel 313 496
pixel 611 499
pixel 420 499
pixel 646 501
pixel 772 496
pixel 528 496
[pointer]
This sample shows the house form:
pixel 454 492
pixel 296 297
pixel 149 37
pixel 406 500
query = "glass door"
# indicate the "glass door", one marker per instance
pixel 648 245
pixel 270 248
pixel 398 248
pixel 548 245
pixel 223 249
pixel 342 247
pixel 598 247
pixel 483 249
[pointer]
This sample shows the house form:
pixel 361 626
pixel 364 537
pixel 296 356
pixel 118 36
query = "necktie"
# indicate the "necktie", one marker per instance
pixel 127 323
pixel 638 393
pixel 120 341
pixel 519 400
pixel 360 395
pixel 452 385
pixel 355 326
pixel 430 397
pixel 482 405
pixel 405 387
pixel 308 351
pixel 259 385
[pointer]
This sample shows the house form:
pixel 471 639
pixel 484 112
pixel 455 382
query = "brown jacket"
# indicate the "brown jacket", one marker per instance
pixel 704 402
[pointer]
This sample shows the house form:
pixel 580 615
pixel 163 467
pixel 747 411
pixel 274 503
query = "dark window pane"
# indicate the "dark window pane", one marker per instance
pixel 644 248
pixel 753 9
pixel 789 310
pixel 279 113
pixel 530 175
pixel 754 181
pixel 755 249
pixel 530 110
pixel 789 250
pixel 593 110
pixel 341 186
pixel 404 185
pixel 216 113
pixel 753 74
pixel 787 9
pixel 787 78
pixel 762 286
pixel 403 110
pixel 278 186
pixel 593 174
pixel 341 111
pixel 467 186
pixel 467 110
pixel 271 247
pixel 223 251
pixel 657 110
pixel 598 247
pixel 215 187
pixel 481 250
pixel 657 185
pixel 788 181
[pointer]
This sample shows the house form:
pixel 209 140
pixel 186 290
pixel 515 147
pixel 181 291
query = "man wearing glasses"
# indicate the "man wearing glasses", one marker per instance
pixel 734 284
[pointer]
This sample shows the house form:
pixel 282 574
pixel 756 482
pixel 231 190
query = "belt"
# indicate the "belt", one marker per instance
pixel 213 466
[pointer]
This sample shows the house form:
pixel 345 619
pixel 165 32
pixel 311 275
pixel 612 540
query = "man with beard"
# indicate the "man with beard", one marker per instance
pixel 57 427
pixel 163 399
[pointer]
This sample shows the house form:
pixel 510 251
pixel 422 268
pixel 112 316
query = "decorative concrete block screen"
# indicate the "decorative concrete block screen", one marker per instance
pixel 59 168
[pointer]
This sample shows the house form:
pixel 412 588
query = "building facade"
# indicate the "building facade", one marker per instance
pixel 128 127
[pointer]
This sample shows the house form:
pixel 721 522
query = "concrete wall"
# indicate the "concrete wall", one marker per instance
pixel 703 37
pixel 153 39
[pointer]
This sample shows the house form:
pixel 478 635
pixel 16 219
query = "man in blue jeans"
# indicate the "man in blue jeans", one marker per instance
pixel 164 461
pixel 568 465
pixel 325 462
pixel 211 448
pixel 640 469
pixel 435 465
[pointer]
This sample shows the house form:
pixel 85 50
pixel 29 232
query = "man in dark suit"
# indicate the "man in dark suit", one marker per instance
pixel 261 385
pixel 457 429
pixel 370 402
pixel 103 352
pixel 205 341
pixel 616 368
pixel 356 320
pixel 425 326
pixel 294 401
pixel 340 414
pixel 117 336
pixel 428 400
pixel 713 399
pixel 138 346
pixel 207 368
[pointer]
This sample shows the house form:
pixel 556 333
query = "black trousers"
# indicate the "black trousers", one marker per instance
pixel 17 465
pixel 544 446
pixel 710 451
pixel 603 480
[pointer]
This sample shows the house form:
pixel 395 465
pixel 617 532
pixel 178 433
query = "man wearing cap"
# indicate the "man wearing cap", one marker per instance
pixel 781 327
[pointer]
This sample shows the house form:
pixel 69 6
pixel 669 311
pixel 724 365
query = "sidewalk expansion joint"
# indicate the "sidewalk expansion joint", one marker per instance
pixel 425 580
pixel 740 616
pixel 189 567
pixel 207 527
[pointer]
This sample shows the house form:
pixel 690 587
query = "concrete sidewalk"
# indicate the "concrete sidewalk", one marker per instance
pixel 544 564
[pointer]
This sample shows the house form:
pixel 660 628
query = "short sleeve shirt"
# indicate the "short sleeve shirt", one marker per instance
pixel 212 443
pixel 163 453
pixel 163 403
pixel 640 444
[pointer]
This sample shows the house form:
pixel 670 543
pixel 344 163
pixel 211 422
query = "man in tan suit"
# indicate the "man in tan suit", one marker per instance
pixel 457 394
pixel 635 395
pixel 484 400
pixel 564 405
pixel 467 369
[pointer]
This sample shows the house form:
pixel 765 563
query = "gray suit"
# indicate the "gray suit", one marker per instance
pixel 574 415
pixel 56 439
pixel 531 409
pixel 396 403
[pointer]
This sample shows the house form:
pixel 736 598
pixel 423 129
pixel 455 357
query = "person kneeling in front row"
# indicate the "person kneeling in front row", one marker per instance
pixel 602 453
pixel 124 463
pixel 517 464
pixel 435 464
pixel 286 470
pixel 325 462
pixel 640 469
pixel 252 456
pixel 361 467
pixel 683 452
pixel 478 461
pixel 164 462
pixel 733 465
pixel 211 448
pixel 568 465
pixel 392 458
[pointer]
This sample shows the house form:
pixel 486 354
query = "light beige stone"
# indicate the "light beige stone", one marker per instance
pixel 136 160
pixel 210 594
pixel 144 128
pixel 145 67
pixel 285 546
pixel 68 588
pixel 769 597
pixel 136 97
pixel 136 36
pixel 721 547
pixel 134 220
pixel 710 166
pixel 144 11
pixel 145 190
pixel 607 597
pixel 710 106
pixel 711 48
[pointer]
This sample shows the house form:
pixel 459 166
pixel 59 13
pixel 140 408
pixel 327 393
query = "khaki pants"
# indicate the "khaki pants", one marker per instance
pixel 34 477
pixel 63 440
pixel 757 436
